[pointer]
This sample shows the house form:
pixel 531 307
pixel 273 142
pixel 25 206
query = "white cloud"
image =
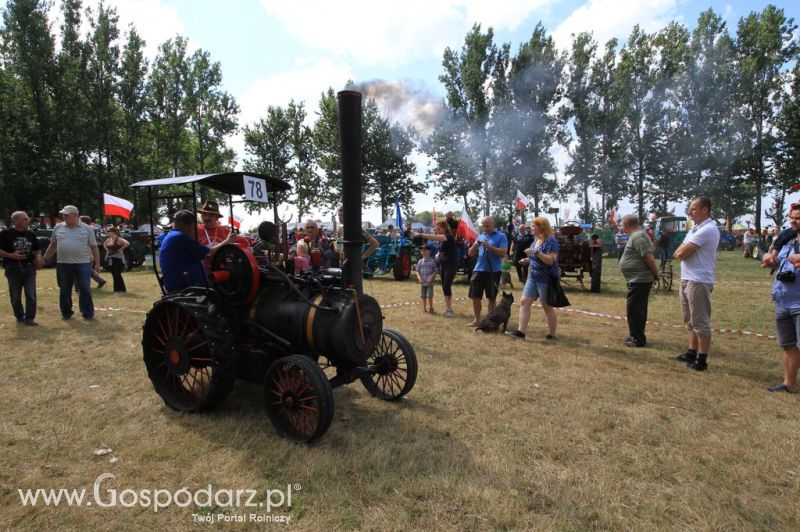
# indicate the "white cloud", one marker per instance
pixel 153 19
pixel 614 18
pixel 303 84
pixel 370 32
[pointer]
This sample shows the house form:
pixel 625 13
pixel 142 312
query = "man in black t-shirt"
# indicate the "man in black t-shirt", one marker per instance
pixel 522 241
pixel 21 258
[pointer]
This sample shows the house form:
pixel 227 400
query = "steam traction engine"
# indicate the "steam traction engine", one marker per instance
pixel 255 322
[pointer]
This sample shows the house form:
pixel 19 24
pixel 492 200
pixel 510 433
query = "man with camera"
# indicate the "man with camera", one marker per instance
pixel 786 294
pixel 20 249
pixel 490 247
pixel 698 254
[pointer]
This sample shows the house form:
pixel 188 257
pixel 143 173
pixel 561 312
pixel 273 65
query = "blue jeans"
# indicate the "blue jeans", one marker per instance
pixel 75 273
pixel 22 277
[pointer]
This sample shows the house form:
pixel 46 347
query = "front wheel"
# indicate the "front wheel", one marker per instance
pixel 299 398
pixel 395 365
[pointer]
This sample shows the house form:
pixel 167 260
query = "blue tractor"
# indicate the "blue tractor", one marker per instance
pixel 393 256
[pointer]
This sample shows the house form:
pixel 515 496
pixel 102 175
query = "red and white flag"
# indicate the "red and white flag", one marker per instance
pixel 521 200
pixel 114 206
pixel 466 229
pixel 613 218
pixel 235 221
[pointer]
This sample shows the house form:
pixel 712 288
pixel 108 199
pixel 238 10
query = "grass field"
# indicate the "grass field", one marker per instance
pixel 497 434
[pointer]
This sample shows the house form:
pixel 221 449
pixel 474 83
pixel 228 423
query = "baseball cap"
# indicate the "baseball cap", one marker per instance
pixel 69 209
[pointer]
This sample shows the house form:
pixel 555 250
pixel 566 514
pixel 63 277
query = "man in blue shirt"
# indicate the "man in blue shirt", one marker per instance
pixel 490 247
pixel 181 255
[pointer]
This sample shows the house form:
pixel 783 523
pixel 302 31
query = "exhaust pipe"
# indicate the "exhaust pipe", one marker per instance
pixel 350 142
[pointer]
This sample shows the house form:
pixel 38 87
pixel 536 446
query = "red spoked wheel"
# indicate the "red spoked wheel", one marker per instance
pixel 395 365
pixel 299 398
pixel 188 354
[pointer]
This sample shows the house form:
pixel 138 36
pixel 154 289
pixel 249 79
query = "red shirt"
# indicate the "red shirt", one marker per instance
pixel 212 237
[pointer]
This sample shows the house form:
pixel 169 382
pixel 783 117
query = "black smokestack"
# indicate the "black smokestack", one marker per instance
pixel 350 140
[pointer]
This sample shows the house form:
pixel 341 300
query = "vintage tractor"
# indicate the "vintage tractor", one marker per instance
pixel 134 254
pixel 393 257
pixel 298 336
pixel 578 258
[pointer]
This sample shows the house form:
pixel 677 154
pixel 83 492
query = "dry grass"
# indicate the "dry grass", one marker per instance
pixel 497 434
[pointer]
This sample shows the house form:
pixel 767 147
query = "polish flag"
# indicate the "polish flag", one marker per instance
pixel 466 229
pixel 521 200
pixel 114 206
pixel 235 221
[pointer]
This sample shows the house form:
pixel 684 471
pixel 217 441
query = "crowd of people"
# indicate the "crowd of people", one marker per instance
pixel 185 252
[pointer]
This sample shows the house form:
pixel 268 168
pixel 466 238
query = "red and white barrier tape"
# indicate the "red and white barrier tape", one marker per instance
pixel 719 330
pixel 593 314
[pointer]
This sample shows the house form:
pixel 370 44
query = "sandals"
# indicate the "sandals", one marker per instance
pixel 781 388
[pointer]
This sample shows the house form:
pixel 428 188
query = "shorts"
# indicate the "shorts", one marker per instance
pixel 426 291
pixel 787 326
pixel 696 306
pixel 535 290
pixel 481 282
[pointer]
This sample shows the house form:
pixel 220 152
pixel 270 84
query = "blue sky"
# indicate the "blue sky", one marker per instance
pixel 274 50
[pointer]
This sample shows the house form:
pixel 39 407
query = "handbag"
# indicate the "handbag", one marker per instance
pixel 555 294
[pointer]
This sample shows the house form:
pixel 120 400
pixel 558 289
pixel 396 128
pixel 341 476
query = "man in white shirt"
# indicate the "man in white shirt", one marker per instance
pixel 77 257
pixel 698 254
pixel 748 242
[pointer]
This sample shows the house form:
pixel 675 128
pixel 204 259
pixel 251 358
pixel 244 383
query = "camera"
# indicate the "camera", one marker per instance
pixel 785 277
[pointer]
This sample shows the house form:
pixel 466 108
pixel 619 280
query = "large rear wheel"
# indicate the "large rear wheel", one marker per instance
pixel 188 352
pixel 402 265
pixel 299 398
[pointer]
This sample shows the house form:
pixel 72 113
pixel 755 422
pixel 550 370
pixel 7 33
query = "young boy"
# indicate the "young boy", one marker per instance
pixel 505 268
pixel 426 272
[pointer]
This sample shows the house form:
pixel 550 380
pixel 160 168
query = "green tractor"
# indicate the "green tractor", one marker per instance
pixel 673 230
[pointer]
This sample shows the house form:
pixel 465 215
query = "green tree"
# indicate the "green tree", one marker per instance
pixel 167 111
pixel 387 171
pixel 524 126
pixel 765 42
pixel 453 168
pixel 579 112
pixel 325 135
pixel 467 80
pixel 131 94
pixel 608 104
pixel 101 89
pixel 212 115
pixel 29 52
pixel 787 147
pixel 637 69
pixel 269 149
pixel 668 176
pixel 304 178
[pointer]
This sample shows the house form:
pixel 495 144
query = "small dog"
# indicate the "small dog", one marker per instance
pixel 499 315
